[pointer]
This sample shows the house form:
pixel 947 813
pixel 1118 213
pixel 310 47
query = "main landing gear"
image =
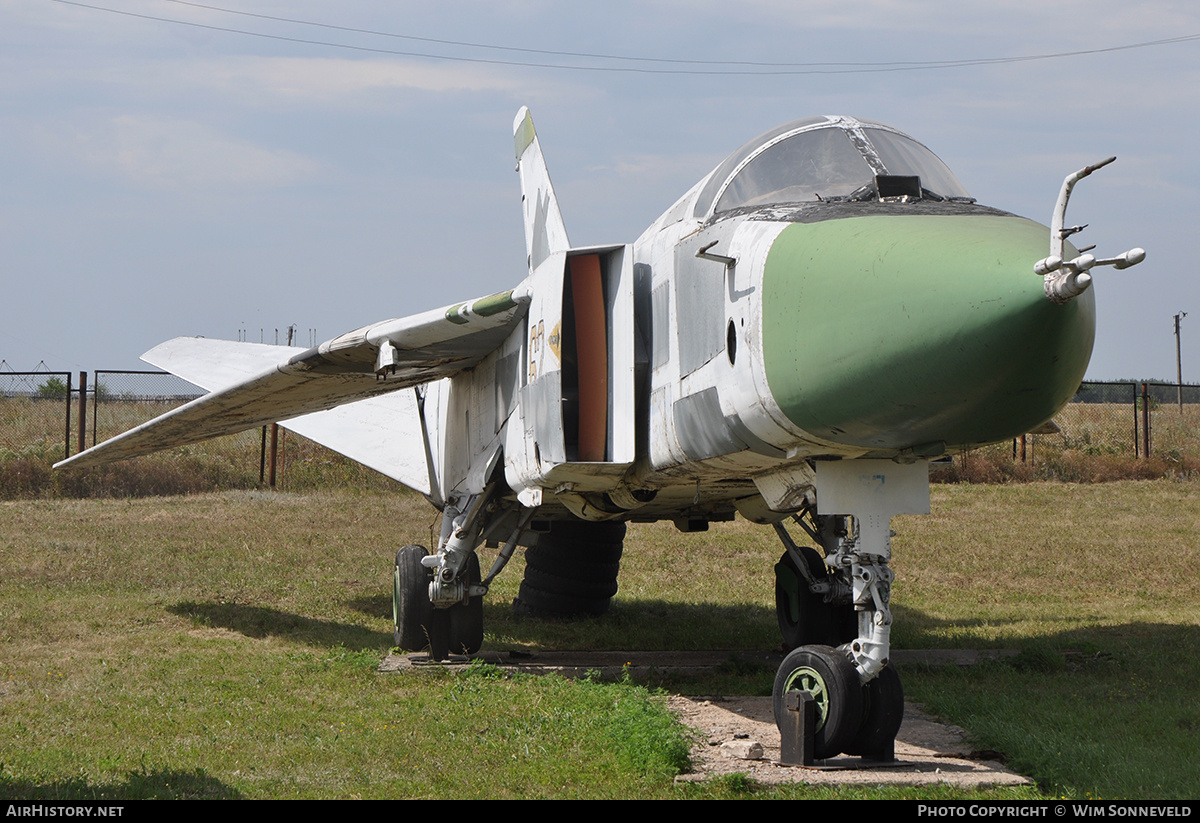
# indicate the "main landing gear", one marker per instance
pixel 571 572
pixel 418 625
pixel 437 599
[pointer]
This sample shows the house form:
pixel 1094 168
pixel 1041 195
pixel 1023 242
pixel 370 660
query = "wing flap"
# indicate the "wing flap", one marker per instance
pixel 368 362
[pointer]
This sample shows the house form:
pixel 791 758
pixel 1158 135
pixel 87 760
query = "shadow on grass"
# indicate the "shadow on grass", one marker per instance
pixel 635 625
pixel 915 629
pixel 165 784
pixel 374 605
pixel 260 622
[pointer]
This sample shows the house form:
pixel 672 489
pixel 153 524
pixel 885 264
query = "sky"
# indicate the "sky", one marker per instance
pixel 170 169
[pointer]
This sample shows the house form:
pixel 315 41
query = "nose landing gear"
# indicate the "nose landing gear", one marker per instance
pixel 856 692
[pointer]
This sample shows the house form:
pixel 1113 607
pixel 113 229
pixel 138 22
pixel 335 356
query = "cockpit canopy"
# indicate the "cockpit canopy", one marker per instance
pixel 826 158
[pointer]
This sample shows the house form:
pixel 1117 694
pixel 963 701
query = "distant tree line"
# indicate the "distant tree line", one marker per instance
pixel 1127 391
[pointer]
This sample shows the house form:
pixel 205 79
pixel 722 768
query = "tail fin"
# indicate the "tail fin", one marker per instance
pixel 545 232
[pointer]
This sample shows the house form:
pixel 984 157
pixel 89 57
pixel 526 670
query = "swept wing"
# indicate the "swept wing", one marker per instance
pixel 249 390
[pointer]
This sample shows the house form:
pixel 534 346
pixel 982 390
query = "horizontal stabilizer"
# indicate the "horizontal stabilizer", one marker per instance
pixel 216 364
pixel 383 433
pixel 367 362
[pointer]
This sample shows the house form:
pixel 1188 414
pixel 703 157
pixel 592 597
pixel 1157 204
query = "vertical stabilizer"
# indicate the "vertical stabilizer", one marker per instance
pixel 545 232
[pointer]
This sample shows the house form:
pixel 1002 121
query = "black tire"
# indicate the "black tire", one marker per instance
pixel 883 712
pixel 602 586
pixel 411 609
pixel 572 571
pixel 804 618
pixel 829 676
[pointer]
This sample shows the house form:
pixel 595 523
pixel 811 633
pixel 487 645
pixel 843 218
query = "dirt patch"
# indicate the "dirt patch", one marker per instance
pixel 926 751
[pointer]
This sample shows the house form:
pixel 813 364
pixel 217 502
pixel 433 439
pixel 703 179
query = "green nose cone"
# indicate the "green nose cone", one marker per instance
pixel 895 332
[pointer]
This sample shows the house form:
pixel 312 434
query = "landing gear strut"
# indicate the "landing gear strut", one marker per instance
pixel 811 605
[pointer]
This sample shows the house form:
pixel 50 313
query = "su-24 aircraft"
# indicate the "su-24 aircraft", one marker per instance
pixel 794 340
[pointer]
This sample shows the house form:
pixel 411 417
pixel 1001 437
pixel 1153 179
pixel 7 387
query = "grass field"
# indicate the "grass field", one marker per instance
pixel 31 441
pixel 226 644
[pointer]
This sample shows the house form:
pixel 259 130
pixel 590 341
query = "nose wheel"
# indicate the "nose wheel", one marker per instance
pixel 804 616
pixel 850 718
pixel 883 711
pixel 829 676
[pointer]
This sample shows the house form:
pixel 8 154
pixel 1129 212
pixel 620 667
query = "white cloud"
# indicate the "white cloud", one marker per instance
pixel 332 78
pixel 165 153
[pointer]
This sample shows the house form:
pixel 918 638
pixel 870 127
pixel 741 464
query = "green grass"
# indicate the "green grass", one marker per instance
pixel 225 645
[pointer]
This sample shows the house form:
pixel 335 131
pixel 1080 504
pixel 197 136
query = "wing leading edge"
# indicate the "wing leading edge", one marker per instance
pixel 367 362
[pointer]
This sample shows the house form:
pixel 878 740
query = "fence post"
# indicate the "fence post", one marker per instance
pixel 95 404
pixel 82 410
pixel 1137 437
pixel 1145 420
pixel 274 450
pixel 67 433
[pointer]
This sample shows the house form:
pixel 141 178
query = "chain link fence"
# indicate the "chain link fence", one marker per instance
pixel 121 400
pixel 35 414
pixel 1127 419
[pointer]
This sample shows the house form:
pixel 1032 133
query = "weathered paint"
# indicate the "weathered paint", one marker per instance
pixel 494 303
pixel 893 332
pixel 523 132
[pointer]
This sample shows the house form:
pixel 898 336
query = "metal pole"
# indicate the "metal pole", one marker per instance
pixel 1137 441
pixel 67 433
pixel 1145 421
pixel 274 450
pixel 95 405
pixel 1179 360
pixel 82 410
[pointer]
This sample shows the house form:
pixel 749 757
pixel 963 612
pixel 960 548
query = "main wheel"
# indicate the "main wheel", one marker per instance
pixel 572 571
pixel 829 676
pixel 805 618
pixel 411 609
pixel 883 711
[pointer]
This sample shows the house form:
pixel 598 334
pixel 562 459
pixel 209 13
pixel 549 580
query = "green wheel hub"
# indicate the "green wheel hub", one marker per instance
pixel 809 680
